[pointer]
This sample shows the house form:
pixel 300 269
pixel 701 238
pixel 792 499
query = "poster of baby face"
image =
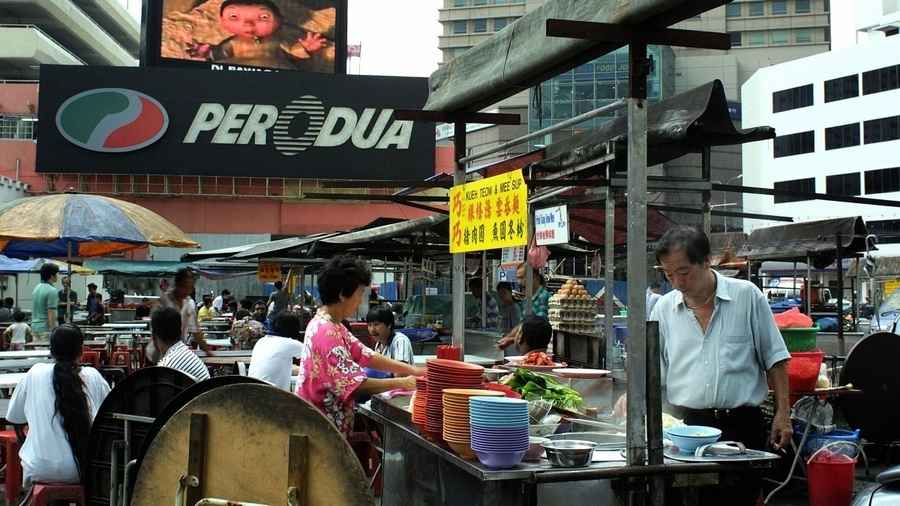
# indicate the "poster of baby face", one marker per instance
pixel 254 34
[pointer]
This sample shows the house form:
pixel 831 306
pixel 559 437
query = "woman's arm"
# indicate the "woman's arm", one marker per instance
pixel 381 363
pixel 372 386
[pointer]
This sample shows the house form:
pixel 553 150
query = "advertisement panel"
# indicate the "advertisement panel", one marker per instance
pixel 305 35
pixel 490 213
pixel 198 122
pixel 551 225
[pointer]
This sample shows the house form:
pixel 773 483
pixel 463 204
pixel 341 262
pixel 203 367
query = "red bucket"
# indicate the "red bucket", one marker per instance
pixel 803 370
pixel 830 477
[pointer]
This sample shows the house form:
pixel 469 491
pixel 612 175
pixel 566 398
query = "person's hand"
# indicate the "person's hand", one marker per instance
pixel 313 42
pixel 621 407
pixel 781 431
pixel 408 383
pixel 505 342
pixel 417 371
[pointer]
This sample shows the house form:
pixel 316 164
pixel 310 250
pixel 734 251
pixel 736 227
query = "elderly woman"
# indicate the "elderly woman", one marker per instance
pixel 333 371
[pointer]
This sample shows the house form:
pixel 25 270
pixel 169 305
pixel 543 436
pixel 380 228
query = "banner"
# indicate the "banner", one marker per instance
pixel 268 272
pixel 234 124
pixel 551 225
pixel 490 213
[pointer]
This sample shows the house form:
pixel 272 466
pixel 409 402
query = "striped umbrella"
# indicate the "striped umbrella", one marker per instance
pixel 75 225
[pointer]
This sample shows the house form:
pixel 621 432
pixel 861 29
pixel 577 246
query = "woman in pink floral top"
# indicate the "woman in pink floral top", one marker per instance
pixel 333 369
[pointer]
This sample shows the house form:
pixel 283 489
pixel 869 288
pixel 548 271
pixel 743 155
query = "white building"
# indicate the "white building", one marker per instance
pixel 837 117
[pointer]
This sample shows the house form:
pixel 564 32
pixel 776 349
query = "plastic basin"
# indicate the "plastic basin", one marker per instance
pixel 690 437
pixel 800 339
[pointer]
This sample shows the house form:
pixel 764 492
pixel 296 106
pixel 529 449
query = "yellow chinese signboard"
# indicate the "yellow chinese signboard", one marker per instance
pixel 268 272
pixel 891 286
pixel 489 214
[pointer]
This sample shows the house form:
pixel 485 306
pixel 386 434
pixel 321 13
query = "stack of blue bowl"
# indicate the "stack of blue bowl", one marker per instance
pixel 499 430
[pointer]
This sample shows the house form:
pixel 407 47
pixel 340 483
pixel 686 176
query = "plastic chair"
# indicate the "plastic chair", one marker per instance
pixel 13 479
pixel 121 359
pixel 91 357
pixel 43 494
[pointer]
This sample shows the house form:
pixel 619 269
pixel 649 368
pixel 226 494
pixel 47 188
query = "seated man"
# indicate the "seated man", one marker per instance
pixel 536 335
pixel 273 355
pixel 165 329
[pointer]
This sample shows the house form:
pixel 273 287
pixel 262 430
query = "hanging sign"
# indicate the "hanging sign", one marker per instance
pixel 268 272
pixel 490 213
pixel 551 225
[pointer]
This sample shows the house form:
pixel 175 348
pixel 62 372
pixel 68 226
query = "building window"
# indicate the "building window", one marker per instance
pixel 756 38
pixel 779 7
pixel 756 8
pixel 459 3
pixel 779 37
pixel 500 23
pixel 17 127
pixel 479 2
pixel 795 144
pixel 459 27
pixel 733 10
pixel 793 98
pixel 881 130
pixel 883 79
pixel 882 180
pixel 798 186
pixel 480 25
pixel 826 5
pixel 735 38
pixel 801 7
pixel 843 184
pixel 803 36
pixel 842 88
pixel 842 136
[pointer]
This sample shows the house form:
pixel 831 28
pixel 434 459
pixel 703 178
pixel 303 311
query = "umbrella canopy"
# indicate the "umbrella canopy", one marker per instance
pixel 82 226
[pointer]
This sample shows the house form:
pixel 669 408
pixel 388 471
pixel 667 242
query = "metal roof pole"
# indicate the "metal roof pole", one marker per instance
pixel 706 169
pixel 609 277
pixel 637 260
pixel 459 259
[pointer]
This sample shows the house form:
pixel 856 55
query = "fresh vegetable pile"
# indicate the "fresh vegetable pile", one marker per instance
pixel 533 385
pixel 537 358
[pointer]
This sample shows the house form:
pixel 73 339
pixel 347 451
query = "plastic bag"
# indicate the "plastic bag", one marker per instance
pixel 793 319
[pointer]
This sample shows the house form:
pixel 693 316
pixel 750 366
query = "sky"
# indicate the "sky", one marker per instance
pixel 398 37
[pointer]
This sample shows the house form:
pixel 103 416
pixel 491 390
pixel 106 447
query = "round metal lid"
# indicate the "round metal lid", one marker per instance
pixel 145 392
pixel 871 367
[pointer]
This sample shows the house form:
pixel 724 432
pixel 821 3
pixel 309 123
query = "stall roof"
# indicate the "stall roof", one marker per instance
pixel 522 55
pixel 813 238
pixel 281 247
pixel 217 253
pixel 685 123
pixel 16 266
pixel 390 231
pixel 161 269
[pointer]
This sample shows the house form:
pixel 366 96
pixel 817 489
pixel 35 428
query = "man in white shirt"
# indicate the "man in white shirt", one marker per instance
pixel 165 329
pixel 273 355
pixel 219 302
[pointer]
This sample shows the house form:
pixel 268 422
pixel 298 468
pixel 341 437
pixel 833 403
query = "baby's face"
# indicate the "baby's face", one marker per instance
pixel 250 21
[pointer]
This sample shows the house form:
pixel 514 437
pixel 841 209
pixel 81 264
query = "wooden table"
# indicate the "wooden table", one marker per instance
pixel 7 355
pixel 11 379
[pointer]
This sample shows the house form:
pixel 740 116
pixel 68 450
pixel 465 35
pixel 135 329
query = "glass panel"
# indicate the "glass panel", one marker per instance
pixel 779 36
pixel 735 38
pixel 803 36
pixel 459 3
pixel 756 8
pixel 733 10
pixel 562 110
pixel 801 6
pixel 756 38
pixel 459 27
pixel 480 26
pixel 606 89
pixel 500 23
pixel 584 91
pixel 779 7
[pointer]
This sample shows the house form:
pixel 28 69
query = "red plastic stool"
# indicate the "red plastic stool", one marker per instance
pixel 44 493
pixel 121 359
pixel 13 480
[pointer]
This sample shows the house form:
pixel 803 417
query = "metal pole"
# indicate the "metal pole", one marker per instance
pixel 706 175
pixel 808 285
pixel 654 413
pixel 484 290
pixel 618 104
pixel 842 346
pixel 609 279
pixel 69 289
pixel 637 256
pixel 529 271
pixel 459 259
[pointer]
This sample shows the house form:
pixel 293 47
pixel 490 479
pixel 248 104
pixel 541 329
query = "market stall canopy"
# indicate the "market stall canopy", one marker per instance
pixel 207 254
pixel 283 247
pixel 17 266
pixel 78 225
pixel 162 269
pixel 818 239
pixel 685 123
pixel 521 55
pixel 390 231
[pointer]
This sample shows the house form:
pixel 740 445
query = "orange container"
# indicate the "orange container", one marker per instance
pixel 803 370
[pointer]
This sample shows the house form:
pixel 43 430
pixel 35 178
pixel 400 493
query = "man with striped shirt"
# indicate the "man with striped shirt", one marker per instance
pixel 165 327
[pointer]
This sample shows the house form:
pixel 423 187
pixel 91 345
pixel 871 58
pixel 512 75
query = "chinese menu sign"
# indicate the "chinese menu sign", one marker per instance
pixel 268 272
pixel 490 213
pixel 551 225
